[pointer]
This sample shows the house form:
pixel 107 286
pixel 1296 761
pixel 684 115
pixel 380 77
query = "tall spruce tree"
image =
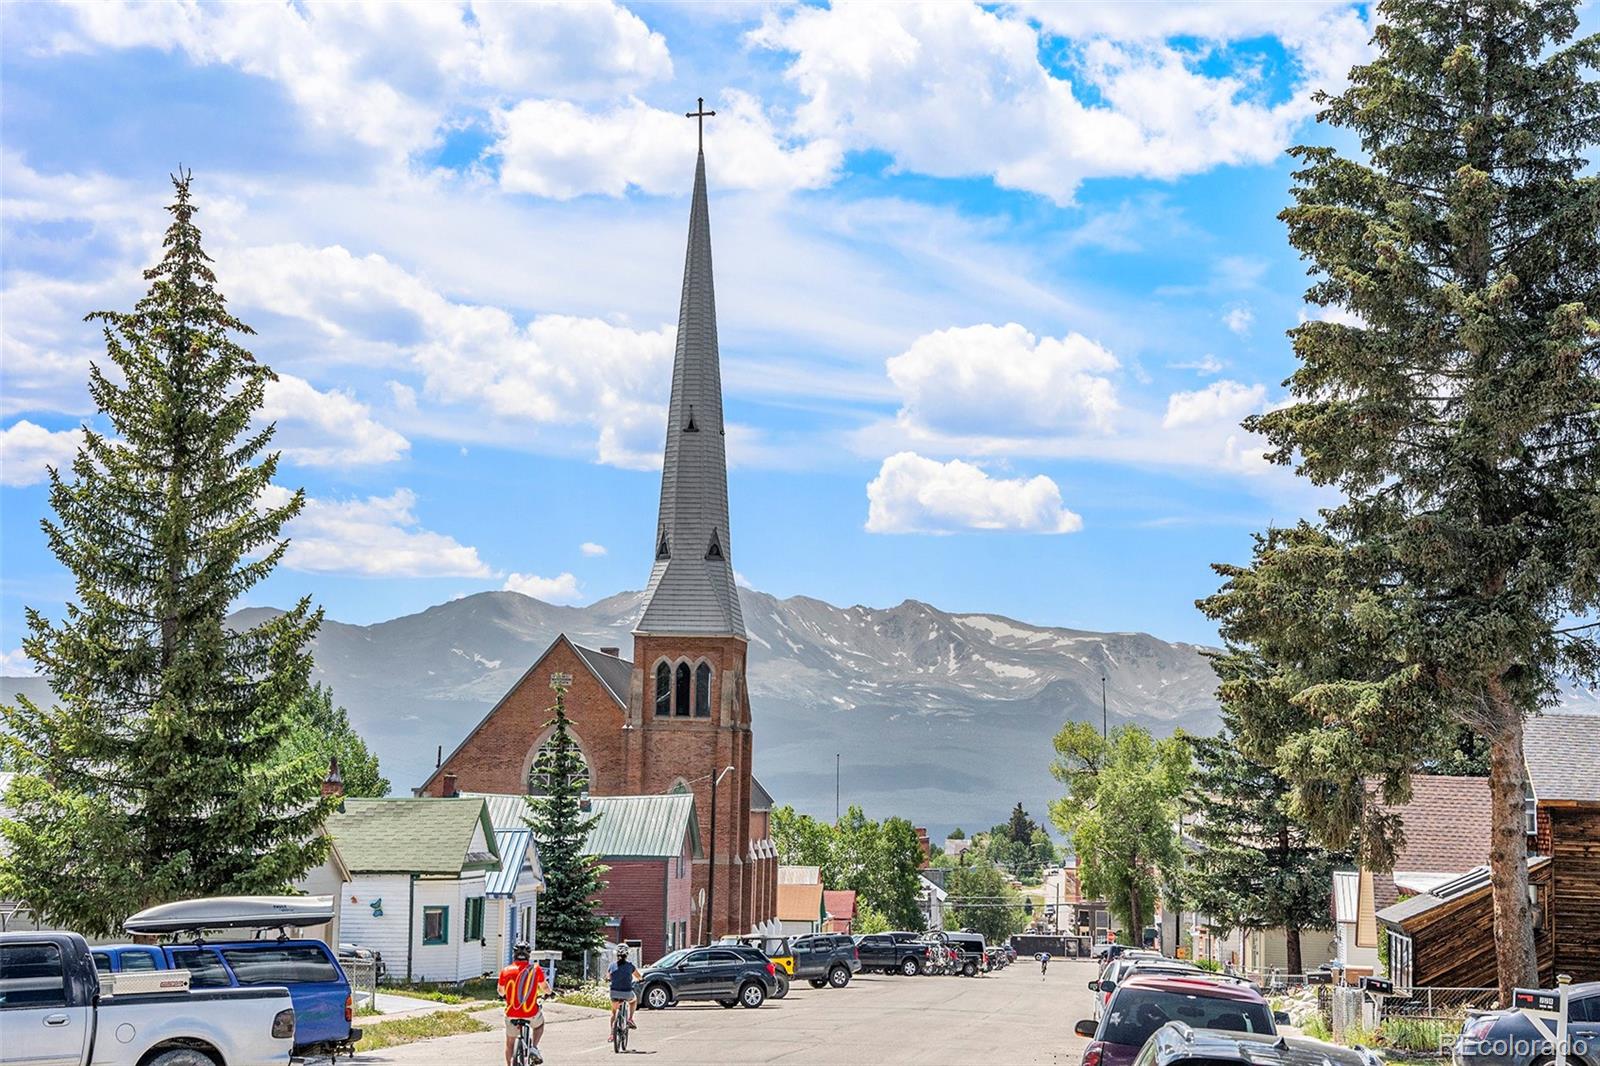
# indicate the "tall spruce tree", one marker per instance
pixel 1454 399
pixel 568 921
pixel 1257 866
pixel 156 773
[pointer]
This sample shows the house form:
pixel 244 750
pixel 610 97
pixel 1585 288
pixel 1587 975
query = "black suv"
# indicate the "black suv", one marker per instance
pixel 825 959
pixel 1176 1044
pixel 903 953
pixel 974 958
pixel 730 974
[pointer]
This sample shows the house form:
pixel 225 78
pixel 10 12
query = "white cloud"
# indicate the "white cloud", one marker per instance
pixel 956 89
pixel 332 428
pixel 390 75
pixel 555 370
pixel 15 663
pixel 1205 366
pixel 379 536
pixel 28 450
pixel 590 548
pixel 912 494
pixel 560 589
pixel 1221 401
pixel 1336 314
pixel 554 148
pixel 1239 319
pixel 993 379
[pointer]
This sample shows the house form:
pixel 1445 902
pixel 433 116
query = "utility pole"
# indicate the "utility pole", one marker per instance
pixel 835 788
pixel 1105 718
pixel 711 874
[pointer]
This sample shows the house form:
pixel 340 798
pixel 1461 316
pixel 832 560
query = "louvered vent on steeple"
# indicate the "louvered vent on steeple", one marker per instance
pixel 714 551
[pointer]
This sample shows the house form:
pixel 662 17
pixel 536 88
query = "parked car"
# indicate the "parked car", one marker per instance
pixel 1129 964
pixel 730 974
pixel 323 1005
pixel 1509 1038
pixel 826 959
pixel 357 953
pixel 53 1007
pixel 776 948
pixel 971 947
pixel 889 953
pixel 1145 1002
pixel 1177 1044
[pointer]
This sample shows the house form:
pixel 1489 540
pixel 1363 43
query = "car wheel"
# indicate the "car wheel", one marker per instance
pixel 969 970
pixel 783 987
pixel 839 976
pixel 656 997
pixel 818 982
pixel 909 967
pixel 182 1056
pixel 727 1003
pixel 752 995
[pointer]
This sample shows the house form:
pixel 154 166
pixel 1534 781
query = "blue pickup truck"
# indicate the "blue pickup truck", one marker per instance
pixel 323 1008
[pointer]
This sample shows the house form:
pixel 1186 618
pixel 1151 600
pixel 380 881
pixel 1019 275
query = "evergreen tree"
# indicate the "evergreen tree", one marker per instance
pixel 1121 813
pixel 568 922
pixel 156 773
pixel 323 732
pixel 1257 867
pixel 1454 399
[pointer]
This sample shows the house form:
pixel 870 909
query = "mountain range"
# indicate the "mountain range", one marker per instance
pixel 944 718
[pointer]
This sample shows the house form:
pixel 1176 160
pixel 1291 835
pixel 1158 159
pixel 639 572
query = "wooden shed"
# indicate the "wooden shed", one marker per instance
pixel 1441 938
pixel 1562 752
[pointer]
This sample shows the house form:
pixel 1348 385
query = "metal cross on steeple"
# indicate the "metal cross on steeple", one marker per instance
pixel 700 114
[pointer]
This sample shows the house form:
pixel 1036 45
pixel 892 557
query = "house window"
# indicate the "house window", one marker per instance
pixel 1399 959
pixel 472 927
pixel 702 691
pixel 663 690
pixel 1530 811
pixel 681 697
pixel 436 925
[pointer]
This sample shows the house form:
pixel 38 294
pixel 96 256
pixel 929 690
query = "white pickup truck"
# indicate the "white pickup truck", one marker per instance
pixel 54 1012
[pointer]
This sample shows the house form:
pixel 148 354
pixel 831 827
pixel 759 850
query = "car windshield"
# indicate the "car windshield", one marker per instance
pixel 670 959
pixel 1135 1013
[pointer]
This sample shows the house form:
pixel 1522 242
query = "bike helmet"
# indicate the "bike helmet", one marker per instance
pixel 622 952
pixel 521 950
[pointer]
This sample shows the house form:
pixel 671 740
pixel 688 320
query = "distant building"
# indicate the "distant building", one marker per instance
pixel 840 907
pixel 954 846
pixel 800 908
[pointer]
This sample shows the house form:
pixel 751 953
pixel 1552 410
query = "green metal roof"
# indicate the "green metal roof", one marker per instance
pixel 642 827
pixel 420 835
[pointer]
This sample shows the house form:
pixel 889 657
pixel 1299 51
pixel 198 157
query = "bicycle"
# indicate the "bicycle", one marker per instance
pixel 619 1027
pixel 522 1054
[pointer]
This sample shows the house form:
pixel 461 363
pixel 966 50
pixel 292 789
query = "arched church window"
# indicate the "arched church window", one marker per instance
pixel 539 772
pixel 702 691
pixel 681 703
pixel 663 690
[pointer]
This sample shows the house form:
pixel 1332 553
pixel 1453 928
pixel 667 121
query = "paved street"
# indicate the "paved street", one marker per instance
pixel 1002 1018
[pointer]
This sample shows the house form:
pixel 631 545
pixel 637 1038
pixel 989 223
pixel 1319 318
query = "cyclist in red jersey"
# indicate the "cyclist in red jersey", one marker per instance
pixel 520 985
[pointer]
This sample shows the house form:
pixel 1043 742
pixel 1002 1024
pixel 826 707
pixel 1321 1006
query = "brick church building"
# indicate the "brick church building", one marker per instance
pixel 678 716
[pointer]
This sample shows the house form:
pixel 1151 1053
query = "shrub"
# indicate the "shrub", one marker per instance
pixel 1418 1034
pixel 1209 965
pixel 1316 1028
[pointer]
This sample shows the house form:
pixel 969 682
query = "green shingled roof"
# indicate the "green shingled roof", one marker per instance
pixel 419 835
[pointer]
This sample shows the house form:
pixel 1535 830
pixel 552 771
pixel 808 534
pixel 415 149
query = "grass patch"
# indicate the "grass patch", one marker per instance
pixel 425 1027
pixel 590 995
pixel 1429 1035
pixel 479 989
pixel 1316 1028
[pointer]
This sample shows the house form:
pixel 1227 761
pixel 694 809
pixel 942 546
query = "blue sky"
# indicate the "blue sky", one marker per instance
pixel 995 284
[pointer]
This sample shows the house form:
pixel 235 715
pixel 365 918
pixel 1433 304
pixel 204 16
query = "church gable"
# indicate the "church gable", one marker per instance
pixel 497 754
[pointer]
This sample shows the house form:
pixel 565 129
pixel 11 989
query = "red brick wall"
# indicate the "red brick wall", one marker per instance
pixel 496 756
pixel 636 892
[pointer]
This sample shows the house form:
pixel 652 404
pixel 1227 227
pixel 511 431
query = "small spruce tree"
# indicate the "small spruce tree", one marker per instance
pixel 157 772
pixel 568 921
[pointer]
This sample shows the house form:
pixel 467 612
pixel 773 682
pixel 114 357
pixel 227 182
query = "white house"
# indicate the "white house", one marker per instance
pixel 418 888
pixel 329 879
pixel 513 890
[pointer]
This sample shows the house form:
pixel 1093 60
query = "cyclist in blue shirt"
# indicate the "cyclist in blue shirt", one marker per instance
pixel 622 974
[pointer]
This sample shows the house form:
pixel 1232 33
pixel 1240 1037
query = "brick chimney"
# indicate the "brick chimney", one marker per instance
pixel 333 784
pixel 615 653
pixel 450 788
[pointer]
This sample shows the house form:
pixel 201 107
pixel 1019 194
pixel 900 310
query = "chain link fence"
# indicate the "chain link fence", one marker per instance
pixel 1438 1003
pixel 363 975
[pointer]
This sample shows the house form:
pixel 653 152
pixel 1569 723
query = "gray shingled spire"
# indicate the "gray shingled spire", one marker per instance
pixel 691 586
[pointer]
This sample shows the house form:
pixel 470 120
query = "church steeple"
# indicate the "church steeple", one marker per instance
pixel 691 588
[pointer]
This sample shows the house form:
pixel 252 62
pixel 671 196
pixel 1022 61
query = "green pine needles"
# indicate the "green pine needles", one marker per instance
pixel 157 774
pixel 1451 394
pixel 568 921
